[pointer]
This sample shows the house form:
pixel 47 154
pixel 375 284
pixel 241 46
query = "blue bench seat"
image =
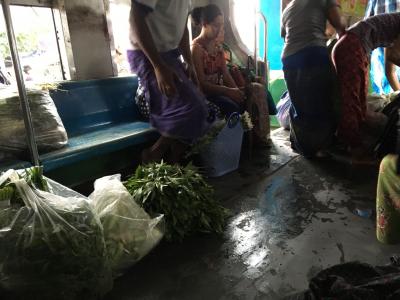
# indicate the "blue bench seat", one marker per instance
pixel 101 120
pixel 94 143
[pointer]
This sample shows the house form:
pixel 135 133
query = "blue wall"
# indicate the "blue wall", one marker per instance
pixel 271 9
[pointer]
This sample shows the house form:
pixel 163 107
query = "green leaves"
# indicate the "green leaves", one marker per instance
pixel 51 246
pixel 182 195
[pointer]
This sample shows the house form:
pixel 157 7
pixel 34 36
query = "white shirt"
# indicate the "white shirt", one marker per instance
pixel 166 21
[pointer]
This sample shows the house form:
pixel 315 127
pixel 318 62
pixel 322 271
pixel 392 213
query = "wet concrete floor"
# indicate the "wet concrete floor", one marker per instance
pixel 292 217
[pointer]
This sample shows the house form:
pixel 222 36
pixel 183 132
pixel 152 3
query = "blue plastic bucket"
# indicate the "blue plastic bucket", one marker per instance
pixel 223 154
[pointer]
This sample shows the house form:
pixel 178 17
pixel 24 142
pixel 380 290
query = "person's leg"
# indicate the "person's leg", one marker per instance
pixel 388 202
pixel 177 150
pixel 157 151
pixel 351 73
pixel 312 123
pixel 257 107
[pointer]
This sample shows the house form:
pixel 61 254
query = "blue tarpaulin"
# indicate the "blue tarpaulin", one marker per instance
pixel 378 78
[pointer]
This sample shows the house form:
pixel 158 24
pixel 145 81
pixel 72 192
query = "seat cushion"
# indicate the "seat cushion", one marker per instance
pixel 106 140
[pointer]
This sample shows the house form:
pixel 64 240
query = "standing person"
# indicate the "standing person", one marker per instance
pixel 215 78
pixel 308 72
pixel 159 36
pixel 351 59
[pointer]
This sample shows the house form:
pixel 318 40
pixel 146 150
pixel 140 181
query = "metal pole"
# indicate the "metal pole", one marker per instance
pixel 21 85
pixel 58 45
pixel 255 39
pixel 266 63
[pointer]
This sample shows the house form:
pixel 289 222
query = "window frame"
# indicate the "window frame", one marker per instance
pixel 57 7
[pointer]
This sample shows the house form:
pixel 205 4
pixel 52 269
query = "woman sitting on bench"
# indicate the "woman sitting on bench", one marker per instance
pixel 215 79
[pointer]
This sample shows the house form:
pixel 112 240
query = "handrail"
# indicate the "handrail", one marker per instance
pixel 26 113
pixel 265 35
pixel 266 63
pixel 256 39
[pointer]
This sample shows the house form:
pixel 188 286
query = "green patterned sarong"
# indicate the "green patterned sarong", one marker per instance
pixel 388 202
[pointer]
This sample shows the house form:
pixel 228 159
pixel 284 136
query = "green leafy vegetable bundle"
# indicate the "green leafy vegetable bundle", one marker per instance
pixel 51 244
pixel 182 195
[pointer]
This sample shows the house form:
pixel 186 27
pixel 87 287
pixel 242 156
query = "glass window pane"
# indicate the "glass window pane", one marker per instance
pixel 244 21
pixel 119 14
pixel 36 42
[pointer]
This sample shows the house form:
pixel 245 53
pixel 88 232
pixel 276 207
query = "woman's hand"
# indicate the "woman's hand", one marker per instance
pixel 236 95
pixel 166 78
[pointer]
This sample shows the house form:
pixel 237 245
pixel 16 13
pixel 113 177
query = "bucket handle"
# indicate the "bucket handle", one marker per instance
pixel 233 120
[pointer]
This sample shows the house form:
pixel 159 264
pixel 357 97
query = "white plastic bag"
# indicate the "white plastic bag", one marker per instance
pixel 49 130
pixel 51 243
pixel 130 233
pixel 283 108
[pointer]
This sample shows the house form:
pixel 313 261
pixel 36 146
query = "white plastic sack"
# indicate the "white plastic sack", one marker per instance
pixel 49 130
pixel 51 243
pixel 130 233
pixel 376 102
pixel 283 108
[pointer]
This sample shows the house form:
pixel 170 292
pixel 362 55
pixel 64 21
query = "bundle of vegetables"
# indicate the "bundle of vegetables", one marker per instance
pixel 51 245
pixel 182 195
pixel 207 139
pixel 49 130
pixel 129 232
pixel 202 143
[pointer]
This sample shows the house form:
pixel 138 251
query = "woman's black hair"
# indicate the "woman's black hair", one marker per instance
pixel 205 14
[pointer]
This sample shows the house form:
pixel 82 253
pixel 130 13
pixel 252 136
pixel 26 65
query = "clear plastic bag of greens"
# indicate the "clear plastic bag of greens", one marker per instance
pixel 51 242
pixel 130 233
pixel 50 133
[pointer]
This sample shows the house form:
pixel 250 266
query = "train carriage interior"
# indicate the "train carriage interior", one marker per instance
pixel 68 108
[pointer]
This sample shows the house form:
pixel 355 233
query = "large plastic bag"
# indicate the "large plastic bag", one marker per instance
pixel 283 108
pixel 377 102
pixel 130 233
pixel 51 243
pixel 49 130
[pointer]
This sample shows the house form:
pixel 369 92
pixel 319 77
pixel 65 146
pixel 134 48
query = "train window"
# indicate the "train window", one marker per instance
pixel 119 15
pixel 39 45
pixel 243 17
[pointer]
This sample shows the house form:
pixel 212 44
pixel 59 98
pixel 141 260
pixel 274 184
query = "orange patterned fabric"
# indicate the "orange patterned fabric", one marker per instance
pixel 351 63
pixel 213 63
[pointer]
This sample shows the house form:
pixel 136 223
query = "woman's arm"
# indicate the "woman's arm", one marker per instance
pixel 390 70
pixel 165 75
pixel 228 80
pixel 184 46
pixel 335 18
pixel 208 87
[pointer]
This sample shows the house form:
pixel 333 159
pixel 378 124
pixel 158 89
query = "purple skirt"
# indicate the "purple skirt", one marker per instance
pixel 183 116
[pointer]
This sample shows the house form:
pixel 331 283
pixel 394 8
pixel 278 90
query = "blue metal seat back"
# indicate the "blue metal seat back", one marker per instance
pixel 90 105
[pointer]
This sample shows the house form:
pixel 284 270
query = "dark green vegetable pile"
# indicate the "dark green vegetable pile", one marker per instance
pixel 182 195
pixel 50 247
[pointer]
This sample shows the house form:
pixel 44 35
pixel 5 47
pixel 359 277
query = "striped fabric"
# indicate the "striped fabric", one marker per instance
pixel 378 78
pixel 376 7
